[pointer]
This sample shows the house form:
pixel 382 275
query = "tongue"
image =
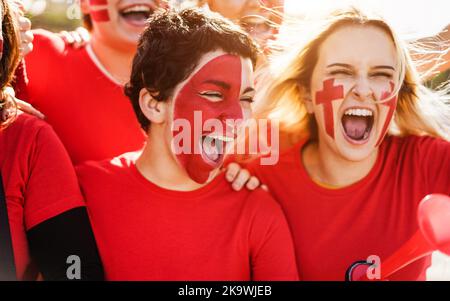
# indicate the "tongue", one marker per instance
pixel 355 126
pixel 135 17
pixel 210 149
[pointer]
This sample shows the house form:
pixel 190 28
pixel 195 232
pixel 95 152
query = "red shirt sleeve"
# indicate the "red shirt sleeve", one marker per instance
pixel 52 186
pixel 434 158
pixel 47 48
pixel 271 246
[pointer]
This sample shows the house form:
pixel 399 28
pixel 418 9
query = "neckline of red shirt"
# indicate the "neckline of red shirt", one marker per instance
pixel 179 195
pixel 296 151
pixel 94 60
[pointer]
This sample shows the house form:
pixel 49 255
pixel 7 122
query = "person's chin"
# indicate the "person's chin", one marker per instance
pixel 129 37
pixel 129 33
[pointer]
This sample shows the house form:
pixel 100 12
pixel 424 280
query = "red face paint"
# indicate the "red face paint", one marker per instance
pixel 222 74
pixel 326 97
pixel 100 15
pixel 392 105
pixel 98 2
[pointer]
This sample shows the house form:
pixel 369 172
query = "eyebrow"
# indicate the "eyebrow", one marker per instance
pixel 249 89
pixel 219 83
pixel 384 67
pixel 350 67
pixel 339 65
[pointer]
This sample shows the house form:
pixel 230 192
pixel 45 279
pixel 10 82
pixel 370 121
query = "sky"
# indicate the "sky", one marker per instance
pixel 418 17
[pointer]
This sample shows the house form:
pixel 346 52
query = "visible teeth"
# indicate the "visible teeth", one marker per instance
pixel 358 112
pixel 220 137
pixel 137 8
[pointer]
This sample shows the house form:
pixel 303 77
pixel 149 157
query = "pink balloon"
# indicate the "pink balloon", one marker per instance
pixel 434 221
pixel 433 216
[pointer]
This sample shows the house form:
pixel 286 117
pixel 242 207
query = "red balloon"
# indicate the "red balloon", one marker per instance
pixel 433 217
pixel 434 221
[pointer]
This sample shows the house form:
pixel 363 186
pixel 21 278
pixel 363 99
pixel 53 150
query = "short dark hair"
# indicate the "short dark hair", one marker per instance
pixel 171 47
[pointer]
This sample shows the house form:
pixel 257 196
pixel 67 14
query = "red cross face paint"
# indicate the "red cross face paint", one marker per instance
pixel 208 108
pixel 131 12
pixel 100 15
pixel 387 108
pixel 120 23
pixel 352 91
pixel 326 97
pixel 99 10
pixel 350 121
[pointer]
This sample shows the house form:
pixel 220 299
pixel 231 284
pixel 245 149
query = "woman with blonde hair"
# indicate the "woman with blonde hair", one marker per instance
pixel 367 141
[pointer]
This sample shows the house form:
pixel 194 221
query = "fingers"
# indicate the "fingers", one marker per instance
pixel 27 108
pixel 252 183
pixel 232 171
pixel 77 39
pixel 67 37
pixel 17 8
pixel 25 49
pixel 24 23
pixel 241 179
pixel 9 91
pixel 26 36
pixel 84 34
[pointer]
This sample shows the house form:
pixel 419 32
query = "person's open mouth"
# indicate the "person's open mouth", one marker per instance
pixel 213 147
pixel 357 124
pixel 136 14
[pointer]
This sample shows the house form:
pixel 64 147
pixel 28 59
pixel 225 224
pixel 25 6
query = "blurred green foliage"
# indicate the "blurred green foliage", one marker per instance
pixel 54 18
pixel 439 80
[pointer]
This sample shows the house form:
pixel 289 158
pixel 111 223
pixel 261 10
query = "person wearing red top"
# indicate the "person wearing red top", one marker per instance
pixel 348 191
pixel 85 105
pixel 47 215
pixel 92 77
pixel 166 213
pixel 80 91
pixel 334 228
pixel 146 232
pixel 43 218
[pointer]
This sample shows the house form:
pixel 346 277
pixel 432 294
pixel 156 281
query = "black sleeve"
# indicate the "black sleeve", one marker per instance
pixel 53 241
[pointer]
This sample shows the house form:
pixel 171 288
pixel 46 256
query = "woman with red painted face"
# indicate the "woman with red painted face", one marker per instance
pixel 368 142
pixel 166 213
pixel 43 219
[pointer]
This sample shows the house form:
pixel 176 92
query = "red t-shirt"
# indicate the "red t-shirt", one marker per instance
pixel 375 216
pixel 145 232
pixel 87 109
pixel 39 182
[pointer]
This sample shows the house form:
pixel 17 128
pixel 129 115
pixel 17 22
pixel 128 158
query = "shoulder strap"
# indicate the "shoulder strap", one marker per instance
pixel 7 266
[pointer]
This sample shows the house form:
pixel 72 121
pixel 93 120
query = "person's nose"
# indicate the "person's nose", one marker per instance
pixel 231 117
pixel 362 89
